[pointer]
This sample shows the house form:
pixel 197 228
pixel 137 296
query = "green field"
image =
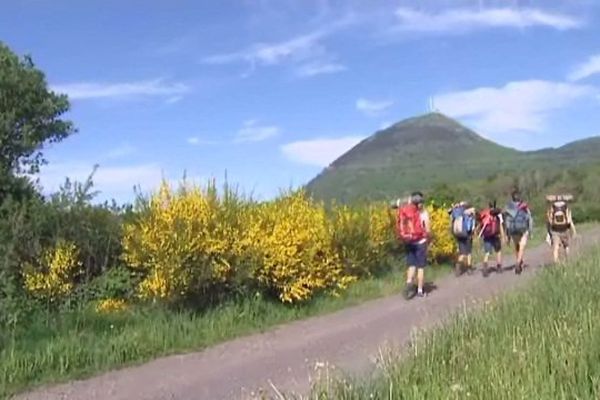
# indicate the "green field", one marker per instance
pixel 542 342
pixel 83 343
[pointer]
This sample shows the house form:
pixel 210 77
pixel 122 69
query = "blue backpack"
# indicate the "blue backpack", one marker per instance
pixel 516 219
pixel 463 224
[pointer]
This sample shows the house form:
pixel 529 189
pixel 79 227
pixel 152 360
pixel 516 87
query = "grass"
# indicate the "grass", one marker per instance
pixel 81 344
pixel 84 343
pixel 542 343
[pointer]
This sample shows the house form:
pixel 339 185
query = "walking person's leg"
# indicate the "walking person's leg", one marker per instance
pixel 498 249
pixel 421 264
pixel 411 262
pixel 556 243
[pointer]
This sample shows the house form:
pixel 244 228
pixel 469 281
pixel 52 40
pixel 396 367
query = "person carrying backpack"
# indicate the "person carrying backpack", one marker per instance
pixel 492 232
pixel 412 229
pixel 518 224
pixel 559 223
pixel 462 217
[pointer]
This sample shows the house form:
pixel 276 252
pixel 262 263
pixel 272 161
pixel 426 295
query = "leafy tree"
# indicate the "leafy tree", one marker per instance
pixel 30 118
pixel 30 115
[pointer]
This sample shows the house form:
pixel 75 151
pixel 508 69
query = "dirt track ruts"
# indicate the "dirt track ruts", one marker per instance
pixel 285 356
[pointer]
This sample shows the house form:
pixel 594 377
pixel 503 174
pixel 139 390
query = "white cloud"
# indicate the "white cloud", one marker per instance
pixel 464 19
pixel 319 152
pixel 385 125
pixel 196 141
pixel 121 151
pixel 300 47
pixel 373 107
pixel 319 68
pixel 174 99
pixel 251 131
pixel 111 180
pixel 515 107
pixel 94 90
pixel 587 69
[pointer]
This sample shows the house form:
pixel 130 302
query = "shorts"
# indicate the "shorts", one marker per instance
pixel 492 244
pixel 416 255
pixel 520 239
pixel 465 246
pixel 560 237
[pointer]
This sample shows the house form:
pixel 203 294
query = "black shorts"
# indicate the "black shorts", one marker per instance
pixel 492 244
pixel 465 246
pixel 416 255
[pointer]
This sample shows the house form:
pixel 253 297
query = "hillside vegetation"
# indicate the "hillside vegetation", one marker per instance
pixel 437 154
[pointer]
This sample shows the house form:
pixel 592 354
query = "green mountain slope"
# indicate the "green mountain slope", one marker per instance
pixel 432 150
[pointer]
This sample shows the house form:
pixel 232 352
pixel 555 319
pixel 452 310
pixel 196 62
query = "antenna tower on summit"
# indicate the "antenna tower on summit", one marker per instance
pixel 431 106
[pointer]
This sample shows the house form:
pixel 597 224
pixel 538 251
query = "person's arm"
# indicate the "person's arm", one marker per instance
pixel 530 222
pixel 570 217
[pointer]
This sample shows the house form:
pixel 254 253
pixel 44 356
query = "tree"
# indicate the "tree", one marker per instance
pixel 30 115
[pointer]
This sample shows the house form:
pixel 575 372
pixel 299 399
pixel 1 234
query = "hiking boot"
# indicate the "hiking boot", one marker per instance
pixel 421 293
pixel 409 291
pixel 458 270
pixel 470 270
pixel 499 268
pixel 485 270
pixel 519 268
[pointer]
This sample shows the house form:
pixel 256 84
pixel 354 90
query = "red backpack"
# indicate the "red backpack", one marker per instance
pixel 409 227
pixel 490 223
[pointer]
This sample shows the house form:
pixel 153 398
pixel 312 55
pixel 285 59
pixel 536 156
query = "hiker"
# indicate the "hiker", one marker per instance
pixel 492 232
pixel 462 217
pixel 559 222
pixel 412 228
pixel 518 224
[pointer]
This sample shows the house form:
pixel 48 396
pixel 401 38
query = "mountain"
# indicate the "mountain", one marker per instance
pixel 432 150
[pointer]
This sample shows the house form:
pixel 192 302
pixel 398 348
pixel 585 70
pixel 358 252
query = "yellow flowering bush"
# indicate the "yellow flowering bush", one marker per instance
pixel 184 243
pixel 382 234
pixel 108 306
pixel 442 245
pixel 53 278
pixel 293 244
pixel 193 243
pixel 363 237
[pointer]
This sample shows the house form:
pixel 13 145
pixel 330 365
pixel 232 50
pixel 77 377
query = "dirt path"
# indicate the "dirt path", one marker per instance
pixel 286 356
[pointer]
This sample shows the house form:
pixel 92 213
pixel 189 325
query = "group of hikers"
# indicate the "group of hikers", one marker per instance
pixel 493 225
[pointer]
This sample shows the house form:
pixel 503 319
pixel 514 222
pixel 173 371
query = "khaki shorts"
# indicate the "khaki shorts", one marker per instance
pixel 562 238
pixel 520 240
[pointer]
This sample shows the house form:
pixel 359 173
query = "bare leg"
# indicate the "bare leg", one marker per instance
pixel 555 250
pixel 420 279
pixel 410 274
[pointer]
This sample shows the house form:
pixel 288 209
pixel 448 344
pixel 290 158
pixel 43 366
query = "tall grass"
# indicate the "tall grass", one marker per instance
pixel 78 344
pixel 539 343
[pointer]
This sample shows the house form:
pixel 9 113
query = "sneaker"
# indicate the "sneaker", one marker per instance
pixel 485 271
pixel 421 293
pixel 409 291
pixel 470 270
pixel 499 268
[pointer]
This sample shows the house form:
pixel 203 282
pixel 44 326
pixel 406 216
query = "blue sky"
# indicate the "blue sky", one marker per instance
pixel 271 91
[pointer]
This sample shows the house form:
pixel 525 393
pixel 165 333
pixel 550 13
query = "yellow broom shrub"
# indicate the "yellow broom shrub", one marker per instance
pixel 53 278
pixel 183 244
pixel 442 245
pixel 294 248
pixel 109 306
